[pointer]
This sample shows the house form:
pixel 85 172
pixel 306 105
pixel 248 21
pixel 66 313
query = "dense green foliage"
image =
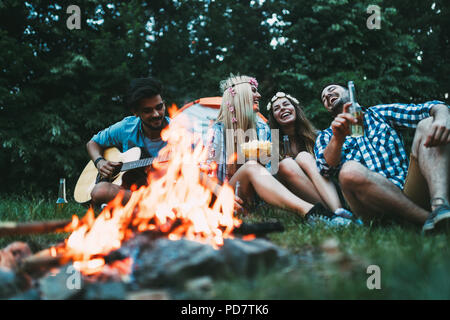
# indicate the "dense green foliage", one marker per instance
pixel 58 86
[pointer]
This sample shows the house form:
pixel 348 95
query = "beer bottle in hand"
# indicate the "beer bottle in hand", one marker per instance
pixel 356 129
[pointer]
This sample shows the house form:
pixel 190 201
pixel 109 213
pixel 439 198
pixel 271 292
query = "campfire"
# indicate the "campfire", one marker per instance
pixel 175 204
pixel 182 202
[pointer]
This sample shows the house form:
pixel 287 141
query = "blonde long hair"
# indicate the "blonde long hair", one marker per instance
pixel 236 113
pixel 237 95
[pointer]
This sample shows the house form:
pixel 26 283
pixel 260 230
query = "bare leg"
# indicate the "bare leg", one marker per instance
pixel 371 195
pixel 434 162
pixel 253 177
pixel 325 188
pixel 104 192
pixel 297 181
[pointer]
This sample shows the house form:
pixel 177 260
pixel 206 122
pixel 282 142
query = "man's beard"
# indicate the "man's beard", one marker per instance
pixel 157 128
pixel 339 105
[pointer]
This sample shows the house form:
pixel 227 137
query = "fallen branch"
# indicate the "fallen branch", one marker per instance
pixel 43 260
pixel 18 228
pixel 35 264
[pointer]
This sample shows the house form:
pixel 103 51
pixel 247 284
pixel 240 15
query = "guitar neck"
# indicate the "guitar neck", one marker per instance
pixel 141 163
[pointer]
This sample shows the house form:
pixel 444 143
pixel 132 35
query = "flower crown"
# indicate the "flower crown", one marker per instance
pixel 280 95
pixel 252 82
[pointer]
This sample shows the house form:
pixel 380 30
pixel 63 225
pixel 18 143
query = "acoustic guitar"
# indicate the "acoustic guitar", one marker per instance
pixel 90 175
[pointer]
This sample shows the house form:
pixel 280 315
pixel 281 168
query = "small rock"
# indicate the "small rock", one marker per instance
pixel 343 261
pixel 31 294
pixel 330 245
pixel 8 283
pixel 330 248
pixel 105 291
pixel 202 287
pixel 249 257
pixel 148 295
pixel 174 262
pixel 66 283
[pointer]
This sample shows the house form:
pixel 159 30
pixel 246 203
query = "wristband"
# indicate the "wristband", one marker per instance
pixel 97 160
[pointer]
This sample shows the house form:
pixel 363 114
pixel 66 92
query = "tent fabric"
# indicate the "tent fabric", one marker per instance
pixel 202 113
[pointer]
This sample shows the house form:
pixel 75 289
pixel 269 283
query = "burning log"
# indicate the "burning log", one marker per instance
pixel 259 228
pixel 43 260
pixel 35 264
pixel 17 228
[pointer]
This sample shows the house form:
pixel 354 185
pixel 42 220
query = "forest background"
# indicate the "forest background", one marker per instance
pixel 59 86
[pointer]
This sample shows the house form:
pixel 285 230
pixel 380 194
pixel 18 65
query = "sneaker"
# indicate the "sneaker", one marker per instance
pixel 344 213
pixel 318 210
pixel 320 214
pixel 438 220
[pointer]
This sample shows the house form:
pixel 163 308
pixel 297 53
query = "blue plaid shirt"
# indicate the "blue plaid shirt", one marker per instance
pixel 217 149
pixel 381 148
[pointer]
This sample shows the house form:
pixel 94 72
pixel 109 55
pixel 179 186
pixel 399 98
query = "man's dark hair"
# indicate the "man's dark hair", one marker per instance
pixel 329 84
pixel 142 88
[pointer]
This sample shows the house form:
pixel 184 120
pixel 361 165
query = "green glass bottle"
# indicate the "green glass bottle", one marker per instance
pixel 356 129
pixel 61 201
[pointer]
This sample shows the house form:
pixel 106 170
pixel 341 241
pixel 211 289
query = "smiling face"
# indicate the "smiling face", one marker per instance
pixel 283 112
pixel 256 98
pixel 151 111
pixel 334 97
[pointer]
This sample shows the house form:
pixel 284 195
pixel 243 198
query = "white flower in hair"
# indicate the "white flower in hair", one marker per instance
pixel 279 95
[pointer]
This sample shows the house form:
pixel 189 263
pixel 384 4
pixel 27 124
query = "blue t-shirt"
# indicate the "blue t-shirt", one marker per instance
pixel 154 145
pixel 127 134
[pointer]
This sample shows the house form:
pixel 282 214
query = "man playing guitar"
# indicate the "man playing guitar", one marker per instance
pixel 142 130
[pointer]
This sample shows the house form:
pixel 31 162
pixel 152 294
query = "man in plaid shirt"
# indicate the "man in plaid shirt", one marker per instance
pixel 373 170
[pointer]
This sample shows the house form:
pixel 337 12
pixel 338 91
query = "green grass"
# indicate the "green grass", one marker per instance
pixel 412 266
pixel 33 208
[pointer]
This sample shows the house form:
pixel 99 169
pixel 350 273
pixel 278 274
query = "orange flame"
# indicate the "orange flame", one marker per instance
pixel 172 110
pixel 53 252
pixel 249 237
pixel 174 203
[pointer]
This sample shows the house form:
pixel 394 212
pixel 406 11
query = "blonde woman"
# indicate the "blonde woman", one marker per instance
pixel 238 111
pixel 297 169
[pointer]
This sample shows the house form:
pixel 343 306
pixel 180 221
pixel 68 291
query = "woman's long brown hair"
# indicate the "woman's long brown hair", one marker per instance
pixel 305 131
